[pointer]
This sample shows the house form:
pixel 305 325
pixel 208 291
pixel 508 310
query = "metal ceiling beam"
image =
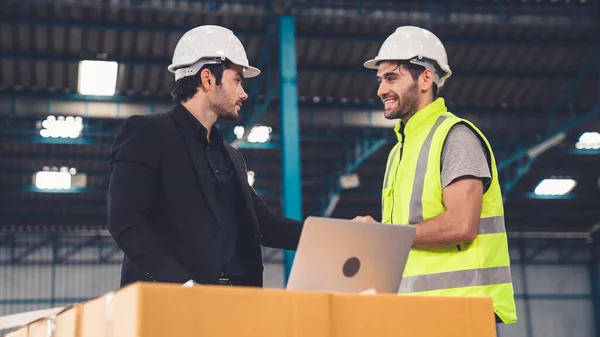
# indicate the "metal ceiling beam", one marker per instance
pixel 272 181
pixel 110 25
pixel 91 242
pixel 32 248
pixel 216 8
pixel 69 157
pixel 501 10
pixel 324 112
pixel 60 95
pixel 314 195
pixel 71 242
pixel 457 73
pixel 459 41
pixel 341 105
pixel 264 65
pixel 332 36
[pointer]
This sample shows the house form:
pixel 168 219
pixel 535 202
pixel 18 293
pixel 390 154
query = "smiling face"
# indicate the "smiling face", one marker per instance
pixel 398 90
pixel 227 97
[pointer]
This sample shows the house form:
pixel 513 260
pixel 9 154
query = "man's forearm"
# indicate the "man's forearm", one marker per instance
pixel 442 231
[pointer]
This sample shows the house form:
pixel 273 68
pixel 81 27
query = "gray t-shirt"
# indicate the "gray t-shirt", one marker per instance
pixel 463 154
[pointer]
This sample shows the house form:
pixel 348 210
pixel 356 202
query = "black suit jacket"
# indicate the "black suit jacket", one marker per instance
pixel 162 209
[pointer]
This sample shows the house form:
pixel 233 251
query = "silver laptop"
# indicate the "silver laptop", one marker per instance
pixel 348 256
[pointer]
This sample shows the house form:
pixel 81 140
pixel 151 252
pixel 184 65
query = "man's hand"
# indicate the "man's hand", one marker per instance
pixel 367 218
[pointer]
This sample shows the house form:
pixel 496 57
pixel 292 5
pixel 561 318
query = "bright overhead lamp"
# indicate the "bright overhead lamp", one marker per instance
pixel 64 178
pixel 61 127
pixel 53 180
pixel 239 132
pixel 349 181
pixel 555 186
pixel 97 77
pixel 588 141
pixel 260 134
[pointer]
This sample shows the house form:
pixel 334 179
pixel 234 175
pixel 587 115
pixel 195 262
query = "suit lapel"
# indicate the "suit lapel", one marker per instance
pixel 197 154
pixel 242 176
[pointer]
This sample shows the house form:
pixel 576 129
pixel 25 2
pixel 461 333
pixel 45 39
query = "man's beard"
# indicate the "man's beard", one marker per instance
pixel 221 107
pixel 410 103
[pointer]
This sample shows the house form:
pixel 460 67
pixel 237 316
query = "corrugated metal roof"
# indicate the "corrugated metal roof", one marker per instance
pixel 508 71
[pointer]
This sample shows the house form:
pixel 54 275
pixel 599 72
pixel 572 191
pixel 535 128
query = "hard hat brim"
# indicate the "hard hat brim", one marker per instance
pixel 250 72
pixel 374 63
pixel 371 64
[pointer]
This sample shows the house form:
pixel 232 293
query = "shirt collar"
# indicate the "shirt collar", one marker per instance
pixel 215 135
pixel 436 107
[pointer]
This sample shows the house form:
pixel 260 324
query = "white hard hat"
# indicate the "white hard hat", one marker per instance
pixel 418 46
pixel 208 45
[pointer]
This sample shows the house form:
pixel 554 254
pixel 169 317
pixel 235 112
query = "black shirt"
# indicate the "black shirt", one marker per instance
pixel 226 186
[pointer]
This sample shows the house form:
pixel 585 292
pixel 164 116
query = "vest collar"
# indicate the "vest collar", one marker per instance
pixel 434 108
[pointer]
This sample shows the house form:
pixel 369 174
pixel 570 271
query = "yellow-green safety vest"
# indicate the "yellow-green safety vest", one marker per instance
pixel 412 193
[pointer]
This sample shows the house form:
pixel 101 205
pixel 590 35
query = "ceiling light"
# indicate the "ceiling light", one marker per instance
pixel 589 141
pixel 97 77
pixel 61 127
pixel 555 186
pixel 239 131
pixel 260 134
pixel 48 180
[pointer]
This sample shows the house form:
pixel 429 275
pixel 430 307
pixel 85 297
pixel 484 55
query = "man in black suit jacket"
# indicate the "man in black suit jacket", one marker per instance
pixel 179 203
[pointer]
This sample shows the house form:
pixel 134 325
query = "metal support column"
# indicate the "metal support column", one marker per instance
pixel 290 138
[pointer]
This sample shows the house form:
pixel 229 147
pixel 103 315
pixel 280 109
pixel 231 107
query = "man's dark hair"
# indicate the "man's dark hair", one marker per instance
pixel 415 71
pixel 185 88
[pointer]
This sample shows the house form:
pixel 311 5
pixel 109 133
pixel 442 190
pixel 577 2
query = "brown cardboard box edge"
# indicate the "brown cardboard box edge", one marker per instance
pixel 38 328
pixel 206 310
pixel 153 309
pixel 411 315
pixel 20 332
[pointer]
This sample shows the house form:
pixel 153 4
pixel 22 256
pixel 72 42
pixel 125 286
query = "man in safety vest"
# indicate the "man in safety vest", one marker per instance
pixel 441 177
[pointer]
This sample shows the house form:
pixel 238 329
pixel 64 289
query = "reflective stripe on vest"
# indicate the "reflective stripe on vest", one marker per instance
pixel 415 213
pixel 453 279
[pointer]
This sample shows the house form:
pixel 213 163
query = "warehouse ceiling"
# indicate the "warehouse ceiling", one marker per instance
pixel 523 71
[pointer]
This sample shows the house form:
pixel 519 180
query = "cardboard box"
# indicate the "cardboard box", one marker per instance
pixel 66 323
pixel 97 316
pixel 415 316
pixel 21 332
pixel 158 310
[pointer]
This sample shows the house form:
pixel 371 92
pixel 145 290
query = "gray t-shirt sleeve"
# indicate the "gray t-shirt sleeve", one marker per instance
pixel 463 154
